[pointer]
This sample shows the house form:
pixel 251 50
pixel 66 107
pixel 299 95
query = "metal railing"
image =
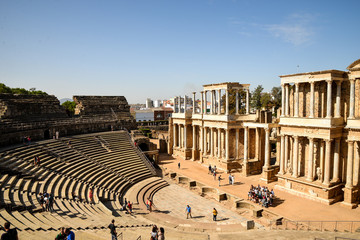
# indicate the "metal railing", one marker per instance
pixel 139 238
pixel 120 236
pixel 331 226
pixel 141 154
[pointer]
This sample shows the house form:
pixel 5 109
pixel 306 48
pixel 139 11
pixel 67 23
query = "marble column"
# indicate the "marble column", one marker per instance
pixel 237 102
pixel 338 99
pixel 295 157
pixel 202 102
pixel 246 139
pixel 267 148
pixel 312 99
pixel 212 102
pixel 247 101
pixel 350 162
pixel 286 153
pixel 179 136
pixel 296 114
pixel 327 162
pixel 227 151
pixel 287 100
pixel 212 142
pixel 201 139
pixel 219 142
pixel 329 99
pixel 194 138
pixel 179 104
pixel 282 153
pixel 352 99
pixel 282 100
pixel 185 136
pixel 257 144
pixel 219 102
pixel 194 101
pixel 205 103
pixel 356 164
pixel 227 102
pixel 336 161
pixel 310 174
pixel 237 143
pixel 174 135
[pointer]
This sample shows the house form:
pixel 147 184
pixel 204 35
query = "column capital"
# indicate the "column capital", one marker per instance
pixel 297 84
pixel 193 92
pixel 201 91
pixel 339 81
pixel 312 82
pixel 352 80
pixel 329 81
pixel 328 140
pixel 296 137
pixel 267 129
pixel 350 141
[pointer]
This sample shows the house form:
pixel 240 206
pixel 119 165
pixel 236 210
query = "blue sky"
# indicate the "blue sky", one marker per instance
pixel 160 49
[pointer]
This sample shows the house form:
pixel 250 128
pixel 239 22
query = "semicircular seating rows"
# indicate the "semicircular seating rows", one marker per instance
pixel 106 162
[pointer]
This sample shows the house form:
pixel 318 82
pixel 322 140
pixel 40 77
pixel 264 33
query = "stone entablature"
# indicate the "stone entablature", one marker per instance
pixel 319 134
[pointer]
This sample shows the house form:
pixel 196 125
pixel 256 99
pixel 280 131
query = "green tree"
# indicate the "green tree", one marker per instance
pixel 4 88
pixel 69 107
pixel 276 97
pixel 256 98
pixel 232 101
pixel 266 101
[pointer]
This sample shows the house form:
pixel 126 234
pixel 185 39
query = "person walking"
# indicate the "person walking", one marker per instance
pixel 61 235
pixel 161 234
pixel 178 165
pixel 219 178
pixel 91 195
pixel 214 214
pixel 214 174
pixel 112 228
pixel 10 234
pixel 70 234
pixel 210 169
pixel 232 179
pixel 188 211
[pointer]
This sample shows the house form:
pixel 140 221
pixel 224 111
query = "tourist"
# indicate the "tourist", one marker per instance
pixel 74 197
pixel 219 178
pixel 178 165
pixel 69 143
pixel 42 201
pixel 38 161
pixel 154 232
pixel 91 195
pixel 61 235
pixel 70 234
pixel 130 207
pixel 214 174
pixel 214 214
pixel 161 234
pixel 10 234
pixel 188 212
pixel 210 169
pixel 35 160
pixel 112 228
pixel 232 179
pixel 150 205
pixel 51 203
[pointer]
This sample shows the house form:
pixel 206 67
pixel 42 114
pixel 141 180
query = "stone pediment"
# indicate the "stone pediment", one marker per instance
pixel 355 65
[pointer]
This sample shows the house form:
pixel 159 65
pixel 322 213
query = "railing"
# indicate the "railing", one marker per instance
pixel 332 226
pixel 139 238
pixel 141 154
pixel 120 236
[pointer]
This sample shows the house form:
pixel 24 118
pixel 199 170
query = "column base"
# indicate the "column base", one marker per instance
pixel 245 169
pixel 349 198
pixel 269 174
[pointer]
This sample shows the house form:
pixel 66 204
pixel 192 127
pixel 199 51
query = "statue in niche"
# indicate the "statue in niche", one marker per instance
pixel 318 173
pixel 223 154
pixel 273 133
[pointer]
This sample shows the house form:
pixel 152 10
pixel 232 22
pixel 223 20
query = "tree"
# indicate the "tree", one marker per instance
pixel 256 98
pixel 266 101
pixel 69 107
pixel 4 88
pixel 232 101
pixel 276 96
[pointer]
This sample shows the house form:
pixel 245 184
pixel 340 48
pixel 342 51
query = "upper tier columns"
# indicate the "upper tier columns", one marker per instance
pixel 312 98
pixel 329 99
pixel 205 104
pixel 212 102
pixel 237 102
pixel 338 99
pixel 219 102
pixel 185 105
pixel 247 101
pixel 227 102
pixel 296 114
pixel 287 100
pixel 282 100
pixel 352 99
pixel 202 102
pixel 194 106
pixel 179 104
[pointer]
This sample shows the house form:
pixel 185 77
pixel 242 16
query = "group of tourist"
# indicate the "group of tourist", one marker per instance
pixel 157 234
pixel 46 201
pixel 261 195
pixel 149 205
pixel 127 207
pixel 26 140
pixel 65 234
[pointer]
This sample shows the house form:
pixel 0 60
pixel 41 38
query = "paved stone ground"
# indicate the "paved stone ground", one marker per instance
pixel 174 199
pixel 288 205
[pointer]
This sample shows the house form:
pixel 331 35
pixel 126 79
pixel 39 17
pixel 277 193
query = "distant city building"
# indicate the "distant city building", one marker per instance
pixel 144 115
pixel 149 103
pixel 158 103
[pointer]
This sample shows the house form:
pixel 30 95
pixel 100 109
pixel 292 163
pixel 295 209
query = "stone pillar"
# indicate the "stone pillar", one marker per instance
pixel 202 102
pixel 287 100
pixel 179 136
pixel 352 99
pixel 329 99
pixel 219 142
pixel 247 101
pixel 356 164
pixel 185 105
pixel 185 136
pixel 246 142
pixel 282 153
pixel 205 103
pixel 267 148
pixel 237 102
pixel 310 175
pixel 227 144
pixel 219 101
pixel 194 106
pixel 312 98
pixel 237 143
pixel 350 162
pixel 282 100
pixel 179 104
pixel 327 162
pixel 295 157
pixel 336 161
pixel 296 114
pixel 212 142
pixel 194 137
pixel 201 139
pixel 212 102
pixel 338 99
pixel 286 153
pixel 174 135
pixel 227 102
